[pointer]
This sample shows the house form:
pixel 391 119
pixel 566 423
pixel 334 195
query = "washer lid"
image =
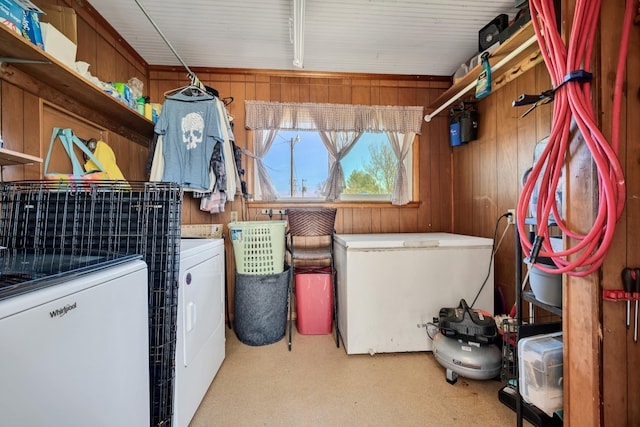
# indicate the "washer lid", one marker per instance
pixel 26 270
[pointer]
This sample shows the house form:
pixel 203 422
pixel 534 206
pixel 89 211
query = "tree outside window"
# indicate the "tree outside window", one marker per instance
pixel 369 168
pixel 296 147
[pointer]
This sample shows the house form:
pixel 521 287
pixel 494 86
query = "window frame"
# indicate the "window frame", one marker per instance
pixel 346 202
pixel 272 117
pixel 304 135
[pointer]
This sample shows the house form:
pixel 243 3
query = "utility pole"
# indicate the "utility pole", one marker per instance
pixel 292 177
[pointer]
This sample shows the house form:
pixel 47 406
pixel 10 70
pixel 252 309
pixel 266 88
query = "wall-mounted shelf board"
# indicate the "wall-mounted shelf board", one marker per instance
pixel 10 157
pixel 67 81
pixel 511 59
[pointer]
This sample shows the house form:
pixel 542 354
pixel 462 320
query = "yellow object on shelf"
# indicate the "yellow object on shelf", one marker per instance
pixel 148 111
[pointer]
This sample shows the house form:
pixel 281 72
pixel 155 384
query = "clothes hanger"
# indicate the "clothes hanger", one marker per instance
pixel 189 90
pixel 174 91
pixel 196 88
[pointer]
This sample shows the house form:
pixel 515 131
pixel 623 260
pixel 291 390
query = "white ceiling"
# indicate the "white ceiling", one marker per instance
pixel 413 37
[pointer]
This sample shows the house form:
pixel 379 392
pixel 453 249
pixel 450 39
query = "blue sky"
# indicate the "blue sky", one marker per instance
pixel 311 161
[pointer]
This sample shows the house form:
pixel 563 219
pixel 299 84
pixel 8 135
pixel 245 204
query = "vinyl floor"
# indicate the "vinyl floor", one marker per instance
pixel 317 384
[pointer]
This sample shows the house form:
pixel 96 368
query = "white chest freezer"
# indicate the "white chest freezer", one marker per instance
pixel 391 285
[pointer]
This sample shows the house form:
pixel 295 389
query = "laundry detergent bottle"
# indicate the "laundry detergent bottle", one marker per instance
pixel 483 84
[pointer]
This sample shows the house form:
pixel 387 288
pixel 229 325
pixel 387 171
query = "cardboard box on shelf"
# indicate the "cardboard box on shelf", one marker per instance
pixel 64 19
pixel 31 29
pixel 58 45
pixel 16 13
pixel 11 15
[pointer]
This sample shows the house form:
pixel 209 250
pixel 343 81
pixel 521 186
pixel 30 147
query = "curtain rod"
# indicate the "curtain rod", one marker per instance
pixel 471 85
pixel 194 79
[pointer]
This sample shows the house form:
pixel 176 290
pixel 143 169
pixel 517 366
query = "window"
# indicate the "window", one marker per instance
pixel 298 164
pixel 332 152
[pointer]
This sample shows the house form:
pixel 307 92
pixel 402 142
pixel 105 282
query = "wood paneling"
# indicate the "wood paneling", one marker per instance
pixel 621 385
pixel 131 158
pixel 53 117
pixel 629 236
pixel 13 126
pixel 27 103
pixel 462 189
pixel 602 382
pixel 292 88
pixel 507 184
pixel 432 213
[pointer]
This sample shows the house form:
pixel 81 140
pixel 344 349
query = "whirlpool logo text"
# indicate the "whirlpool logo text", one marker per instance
pixel 59 312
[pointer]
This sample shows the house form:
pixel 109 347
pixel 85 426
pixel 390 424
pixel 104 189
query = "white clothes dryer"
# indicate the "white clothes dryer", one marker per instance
pixel 200 341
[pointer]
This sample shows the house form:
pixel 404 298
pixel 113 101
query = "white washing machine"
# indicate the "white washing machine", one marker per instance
pixel 73 339
pixel 200 342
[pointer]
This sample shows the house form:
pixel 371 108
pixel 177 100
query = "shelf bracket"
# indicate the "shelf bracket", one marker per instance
pixel 10 60
pixel 7 60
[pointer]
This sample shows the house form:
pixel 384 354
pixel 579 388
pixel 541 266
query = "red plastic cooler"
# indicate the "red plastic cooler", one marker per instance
pixel 314 301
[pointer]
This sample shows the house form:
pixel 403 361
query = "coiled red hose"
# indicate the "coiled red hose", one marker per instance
pixel 572 105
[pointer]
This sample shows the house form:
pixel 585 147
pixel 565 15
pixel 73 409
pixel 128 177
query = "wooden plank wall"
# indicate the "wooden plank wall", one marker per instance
pixel 25 121
pixel 602 381
pixel 432 212
pixel 463 190
pixel 487 172
pixel 620 356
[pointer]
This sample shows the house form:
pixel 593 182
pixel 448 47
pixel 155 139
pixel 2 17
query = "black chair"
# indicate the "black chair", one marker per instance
pixel 310 248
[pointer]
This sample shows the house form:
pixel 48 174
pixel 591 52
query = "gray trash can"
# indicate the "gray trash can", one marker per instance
pixel 260 307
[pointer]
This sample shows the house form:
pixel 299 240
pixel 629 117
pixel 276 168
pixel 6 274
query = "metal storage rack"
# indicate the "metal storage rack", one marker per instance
pixel 509 394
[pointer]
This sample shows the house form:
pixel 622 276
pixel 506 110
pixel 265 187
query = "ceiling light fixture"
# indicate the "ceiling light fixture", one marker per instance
pixel 297 32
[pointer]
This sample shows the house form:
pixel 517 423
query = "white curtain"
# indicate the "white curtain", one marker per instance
pixel 401 144
pixel 262 140
pixel 340 126
pixel 338 145
pixel 332 117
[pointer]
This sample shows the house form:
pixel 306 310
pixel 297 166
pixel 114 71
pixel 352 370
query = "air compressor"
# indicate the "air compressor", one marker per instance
pixel 464 344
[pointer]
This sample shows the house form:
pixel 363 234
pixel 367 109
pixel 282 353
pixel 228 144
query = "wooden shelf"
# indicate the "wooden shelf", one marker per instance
pixel 508 71
pixel 10 157
pixel 68 81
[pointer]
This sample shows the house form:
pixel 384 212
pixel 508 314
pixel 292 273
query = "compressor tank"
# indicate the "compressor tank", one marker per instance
pixel 467 358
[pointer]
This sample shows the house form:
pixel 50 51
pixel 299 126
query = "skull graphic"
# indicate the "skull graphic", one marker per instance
pixel 192 130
